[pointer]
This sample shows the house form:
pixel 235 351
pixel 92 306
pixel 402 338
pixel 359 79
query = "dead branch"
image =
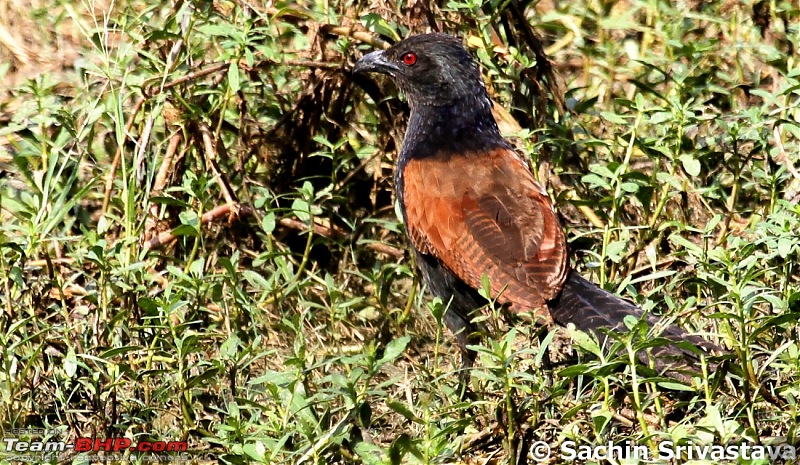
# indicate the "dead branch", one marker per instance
pixel 213 215
pixel 335 233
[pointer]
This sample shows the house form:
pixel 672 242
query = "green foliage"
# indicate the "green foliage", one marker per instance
pixel 199 239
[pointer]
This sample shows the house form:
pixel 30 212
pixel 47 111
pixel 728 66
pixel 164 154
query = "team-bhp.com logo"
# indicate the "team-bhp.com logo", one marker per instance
pixel 25 450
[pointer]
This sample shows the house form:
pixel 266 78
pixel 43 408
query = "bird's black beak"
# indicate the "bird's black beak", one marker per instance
pixel 375 62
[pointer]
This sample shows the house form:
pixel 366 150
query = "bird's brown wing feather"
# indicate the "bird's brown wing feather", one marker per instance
pixel 485 214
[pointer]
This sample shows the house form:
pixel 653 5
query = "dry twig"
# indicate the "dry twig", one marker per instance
pixel 212 215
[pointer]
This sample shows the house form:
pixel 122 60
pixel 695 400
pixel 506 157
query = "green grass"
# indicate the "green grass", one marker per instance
pixel 293 329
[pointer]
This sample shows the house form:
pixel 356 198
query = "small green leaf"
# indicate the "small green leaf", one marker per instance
pixel 584 341
pixel 690 165
pixel 197 266
pixel 185 230
pixel 615 118
pixel 393 349
pixel 595 181
pixel 229 348
pixel 118 351
pixel 233 78
pixel 269 223
pixel 71 364
pixel 376 23
pixel 256 280
pixel 189 218
pixel 255 451
pixel 785 245
pixel 616 250
pixel 167 200
pixel 679 240
pixel 673 386
pixel 403 410
pixel 665 178
pixel 600 421
pixel 301 209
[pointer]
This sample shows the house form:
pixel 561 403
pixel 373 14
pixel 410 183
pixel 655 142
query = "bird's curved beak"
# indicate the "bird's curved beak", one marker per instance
pixel 375 62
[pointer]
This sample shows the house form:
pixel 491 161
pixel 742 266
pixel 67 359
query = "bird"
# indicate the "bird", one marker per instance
pixel 474 212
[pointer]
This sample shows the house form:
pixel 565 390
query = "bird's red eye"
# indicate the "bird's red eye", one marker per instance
pixel 410 58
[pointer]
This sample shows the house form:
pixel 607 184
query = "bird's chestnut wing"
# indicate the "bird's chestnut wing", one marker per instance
pixel 485 214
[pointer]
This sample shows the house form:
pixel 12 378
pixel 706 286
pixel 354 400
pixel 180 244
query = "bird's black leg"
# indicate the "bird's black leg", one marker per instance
pixel 466 334
pixel 547 364
pixel 462 301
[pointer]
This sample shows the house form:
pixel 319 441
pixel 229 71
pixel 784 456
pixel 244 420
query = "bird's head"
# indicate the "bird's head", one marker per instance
pixel 431 69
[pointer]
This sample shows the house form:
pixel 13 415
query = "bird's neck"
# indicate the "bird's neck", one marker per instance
pixel 465 126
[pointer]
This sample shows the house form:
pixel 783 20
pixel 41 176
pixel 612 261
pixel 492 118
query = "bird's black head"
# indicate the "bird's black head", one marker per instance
pixel 431 69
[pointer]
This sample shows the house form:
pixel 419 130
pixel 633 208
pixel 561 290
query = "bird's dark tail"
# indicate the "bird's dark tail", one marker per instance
pixel 591 309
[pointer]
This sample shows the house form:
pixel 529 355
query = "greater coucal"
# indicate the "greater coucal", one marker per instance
pixel 473 209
